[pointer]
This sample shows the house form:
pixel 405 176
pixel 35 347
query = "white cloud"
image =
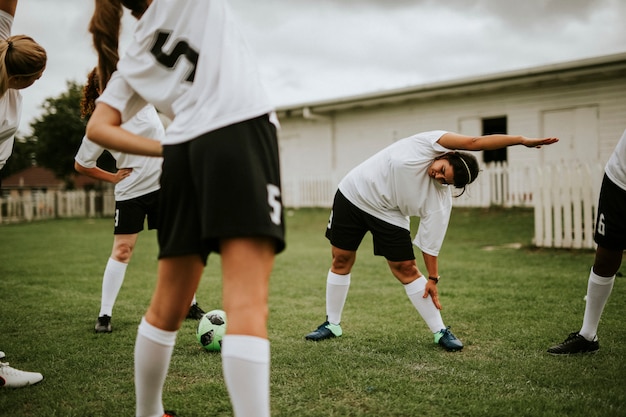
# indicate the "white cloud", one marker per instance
pixel 311 50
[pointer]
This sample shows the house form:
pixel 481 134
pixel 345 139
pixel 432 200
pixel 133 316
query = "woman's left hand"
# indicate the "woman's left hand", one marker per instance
pixel 431 289
pixel 538 142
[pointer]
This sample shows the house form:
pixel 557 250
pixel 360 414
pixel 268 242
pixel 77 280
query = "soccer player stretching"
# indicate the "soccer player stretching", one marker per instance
pixel 412 177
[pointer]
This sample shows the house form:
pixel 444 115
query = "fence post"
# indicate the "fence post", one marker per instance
pixel 577 213
pixel 538 212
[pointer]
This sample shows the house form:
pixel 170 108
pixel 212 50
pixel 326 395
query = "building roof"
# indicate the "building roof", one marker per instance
pixel 33 177
pixel 562 73
pixel 40 177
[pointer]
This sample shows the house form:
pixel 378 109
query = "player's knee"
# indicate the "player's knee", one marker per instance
pixel 607 262
pixel 122 252
pixel 406 271
pixel 342 264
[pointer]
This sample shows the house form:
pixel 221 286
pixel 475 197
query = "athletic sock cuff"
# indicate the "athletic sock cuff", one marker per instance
pixel 416 286
pixel 597 279
pixel 162 337
pixel 337 279
pixel 248 348
pixel 116 265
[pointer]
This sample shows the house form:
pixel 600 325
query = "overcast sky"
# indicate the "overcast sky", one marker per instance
pixel 310 50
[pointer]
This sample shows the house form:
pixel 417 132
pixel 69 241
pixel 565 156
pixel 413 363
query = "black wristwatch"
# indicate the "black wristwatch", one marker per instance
pixel 436 279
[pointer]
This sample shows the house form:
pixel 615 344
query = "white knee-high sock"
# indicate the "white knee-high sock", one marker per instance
pixel 424 306
pixel 337 287
pixel 598 292
pixel 111 283
pixel 153 351
pixel 246 366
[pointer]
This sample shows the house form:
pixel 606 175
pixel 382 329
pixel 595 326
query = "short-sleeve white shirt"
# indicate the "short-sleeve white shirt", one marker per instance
pixel 189 59
pixel 394 184
pixel 146 171
pixel 10 102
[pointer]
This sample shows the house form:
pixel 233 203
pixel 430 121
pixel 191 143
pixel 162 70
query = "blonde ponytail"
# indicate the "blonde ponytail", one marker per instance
pixel 20 56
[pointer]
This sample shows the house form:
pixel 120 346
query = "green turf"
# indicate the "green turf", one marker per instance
pixel 507 304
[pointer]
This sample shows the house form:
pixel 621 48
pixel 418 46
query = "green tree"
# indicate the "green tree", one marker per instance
pixel 55 138
pixel 58 132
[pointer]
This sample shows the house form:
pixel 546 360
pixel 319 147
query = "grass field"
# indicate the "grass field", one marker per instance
pixel 507 304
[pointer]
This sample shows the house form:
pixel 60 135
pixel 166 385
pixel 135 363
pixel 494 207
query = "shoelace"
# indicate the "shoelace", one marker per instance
pixel 447 332
pixel 7 370
pixel 573 337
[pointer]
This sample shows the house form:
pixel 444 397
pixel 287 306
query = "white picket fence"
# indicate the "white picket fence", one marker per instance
pixel 564 199
pixel 497 185
pixel 56 204
pixel 566 205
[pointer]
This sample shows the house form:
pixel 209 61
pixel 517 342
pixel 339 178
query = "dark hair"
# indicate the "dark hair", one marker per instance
pixel 105 27
pixel 136 6
pixel 465 167
pixel 90 94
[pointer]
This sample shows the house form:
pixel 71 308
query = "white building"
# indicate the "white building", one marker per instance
pixel 582 102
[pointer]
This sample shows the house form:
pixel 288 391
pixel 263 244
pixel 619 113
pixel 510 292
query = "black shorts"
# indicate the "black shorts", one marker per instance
pixel 348 224
pixel 610 230
pixel 130 215
pixel 223 184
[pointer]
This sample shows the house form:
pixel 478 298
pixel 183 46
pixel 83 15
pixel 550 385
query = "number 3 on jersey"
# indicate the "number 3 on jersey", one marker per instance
pixel 169 59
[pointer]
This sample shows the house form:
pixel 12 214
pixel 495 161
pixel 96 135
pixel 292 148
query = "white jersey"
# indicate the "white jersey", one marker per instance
pixel 146 172
pixel 10 102
pixel 616 166
pixel 394 184
pixel 189 60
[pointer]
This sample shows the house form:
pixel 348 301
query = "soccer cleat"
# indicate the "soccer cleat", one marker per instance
pixel 325 331
pixel 575 343
pixel 195 312
pixel 103 325
pixel 447 340
pixel 170 413
pixel 14 378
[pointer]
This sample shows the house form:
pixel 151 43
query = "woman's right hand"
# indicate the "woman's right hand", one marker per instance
pixel 122 173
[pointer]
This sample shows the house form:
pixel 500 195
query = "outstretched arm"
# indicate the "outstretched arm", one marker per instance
pixel 490 142
pixel 8 6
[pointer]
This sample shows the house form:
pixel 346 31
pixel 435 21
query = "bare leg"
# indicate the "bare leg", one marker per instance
pixel 246 267
pixel 178 279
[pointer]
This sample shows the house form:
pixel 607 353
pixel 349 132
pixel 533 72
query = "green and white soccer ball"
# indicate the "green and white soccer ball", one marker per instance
pixel 211 330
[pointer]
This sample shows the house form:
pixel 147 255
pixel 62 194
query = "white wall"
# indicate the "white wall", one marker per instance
pixel 591 116
pixel 305 148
